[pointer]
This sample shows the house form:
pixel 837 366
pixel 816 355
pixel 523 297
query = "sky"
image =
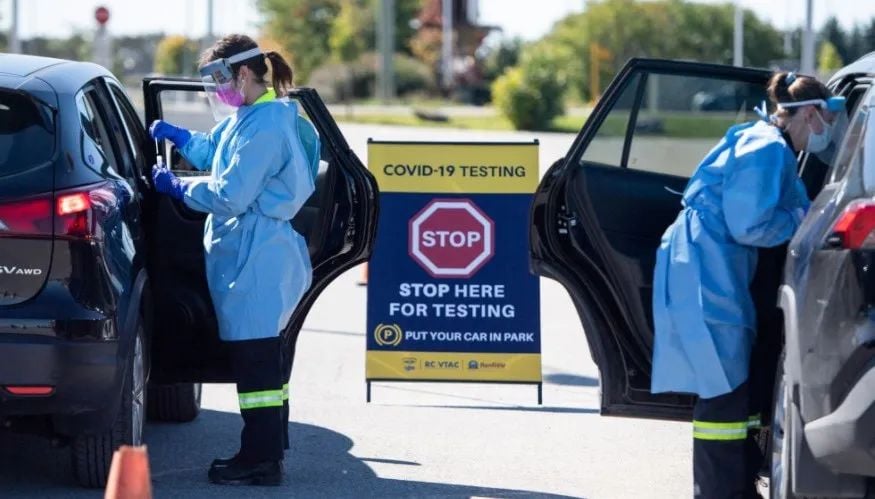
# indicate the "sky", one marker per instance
pixel 62 17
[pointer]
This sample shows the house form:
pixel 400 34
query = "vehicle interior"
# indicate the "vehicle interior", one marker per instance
pixel 624 181
pixel 187 346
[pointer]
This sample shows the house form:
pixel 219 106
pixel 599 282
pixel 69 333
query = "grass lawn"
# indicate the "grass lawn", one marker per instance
pixel 567 124
pixel 666 124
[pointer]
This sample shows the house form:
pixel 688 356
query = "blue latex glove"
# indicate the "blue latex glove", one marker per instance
pixel 160 130
pixel 167 183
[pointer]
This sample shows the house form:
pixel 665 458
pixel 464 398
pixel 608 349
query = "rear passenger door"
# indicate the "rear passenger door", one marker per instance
pixel 338 222
pixel 599 213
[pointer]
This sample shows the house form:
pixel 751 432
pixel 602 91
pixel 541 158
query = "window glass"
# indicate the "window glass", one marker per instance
pixel 683 117
pixel 187 109
pixel 27 133
pixel 95 142
pixel 606 147
pixel 133 129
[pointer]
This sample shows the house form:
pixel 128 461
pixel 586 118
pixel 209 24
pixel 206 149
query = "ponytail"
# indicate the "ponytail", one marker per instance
pixel 789 87
pixel 282 75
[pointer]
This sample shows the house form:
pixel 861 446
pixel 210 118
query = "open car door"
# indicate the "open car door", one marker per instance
pixel 600 212
pixel 338 222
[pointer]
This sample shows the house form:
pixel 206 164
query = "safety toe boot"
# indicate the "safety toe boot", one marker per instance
pixel 237 472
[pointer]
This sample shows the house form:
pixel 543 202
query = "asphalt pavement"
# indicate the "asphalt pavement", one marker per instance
pixel 412 440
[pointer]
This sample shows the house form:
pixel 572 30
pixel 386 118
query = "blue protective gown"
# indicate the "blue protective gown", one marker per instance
pixel 745 194
pixel 258 266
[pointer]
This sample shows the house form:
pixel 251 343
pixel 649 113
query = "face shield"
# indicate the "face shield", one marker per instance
pixel 218 77
pixel 833 112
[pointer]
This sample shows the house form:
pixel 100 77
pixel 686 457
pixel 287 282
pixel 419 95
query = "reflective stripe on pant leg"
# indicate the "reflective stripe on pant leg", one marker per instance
pixel 708 430
pixel 260 399
pixel 755 422
pixel 286 392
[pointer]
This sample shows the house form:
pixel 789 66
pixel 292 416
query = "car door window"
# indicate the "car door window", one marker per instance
pixel 606 147
pixel 666 123
pixel 95 140
pixel 133 129
pixel 119 139
pixel 853 144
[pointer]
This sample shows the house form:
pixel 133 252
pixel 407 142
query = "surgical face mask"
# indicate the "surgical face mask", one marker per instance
pixel 818 142
pixel 230 95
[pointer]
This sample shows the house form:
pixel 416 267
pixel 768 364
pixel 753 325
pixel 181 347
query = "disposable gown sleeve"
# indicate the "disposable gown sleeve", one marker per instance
pixel 253 162
pixel 752 194
pixel 201 147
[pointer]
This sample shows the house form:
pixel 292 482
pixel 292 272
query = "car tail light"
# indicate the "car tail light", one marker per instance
pixel 28 217
pixel 31 390
pixel 68 214
pixel 855 229
pixel 73 215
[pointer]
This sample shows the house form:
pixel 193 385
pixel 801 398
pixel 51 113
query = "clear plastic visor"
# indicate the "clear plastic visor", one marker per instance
pixel 211 88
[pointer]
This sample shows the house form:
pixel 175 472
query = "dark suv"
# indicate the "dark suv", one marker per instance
pixel 105 315
pixel 600 212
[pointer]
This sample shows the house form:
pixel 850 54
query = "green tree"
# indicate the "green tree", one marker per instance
pixel 176 55
pixel 829 60
pixel 532 95
pixel 406 12
pixel 666 28
pixel 868 38
pixel 833 33
pixel 498 59
pixel 346 41
pixel 303 28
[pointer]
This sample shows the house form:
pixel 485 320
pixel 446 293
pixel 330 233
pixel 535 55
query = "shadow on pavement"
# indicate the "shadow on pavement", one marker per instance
pixel 318 465
pixel 520 408
pixel 570 380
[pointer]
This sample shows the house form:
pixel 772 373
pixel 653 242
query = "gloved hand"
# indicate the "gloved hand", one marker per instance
pixel 160 130
pixel 167 183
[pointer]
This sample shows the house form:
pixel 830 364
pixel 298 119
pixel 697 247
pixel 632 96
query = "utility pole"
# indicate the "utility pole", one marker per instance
pixel 14 40
pixel 447 43
pixel 738 46
pixel 386 47
pixel 210 6
pixel 807 63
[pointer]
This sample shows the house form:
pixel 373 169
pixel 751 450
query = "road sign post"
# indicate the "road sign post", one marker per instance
pixel 450 296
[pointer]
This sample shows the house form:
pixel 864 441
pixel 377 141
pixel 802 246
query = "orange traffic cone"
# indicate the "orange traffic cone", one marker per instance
pixel 129 474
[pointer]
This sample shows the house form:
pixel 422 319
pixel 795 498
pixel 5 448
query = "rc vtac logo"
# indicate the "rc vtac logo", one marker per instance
pixel 388 335
pixel 409 363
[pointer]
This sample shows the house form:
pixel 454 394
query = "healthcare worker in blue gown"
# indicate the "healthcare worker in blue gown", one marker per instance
pixel 744 195
pixel 262 157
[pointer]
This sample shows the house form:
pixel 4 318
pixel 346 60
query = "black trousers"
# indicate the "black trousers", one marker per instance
pixel 258 367
pixel 726 454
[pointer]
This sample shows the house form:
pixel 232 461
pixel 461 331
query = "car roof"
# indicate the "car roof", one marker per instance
pixel 25 65
pixel 864 65
pixel 19 71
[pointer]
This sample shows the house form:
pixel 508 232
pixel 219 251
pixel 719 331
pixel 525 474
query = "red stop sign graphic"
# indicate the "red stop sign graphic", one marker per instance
pixel 101 14
pixel 451 238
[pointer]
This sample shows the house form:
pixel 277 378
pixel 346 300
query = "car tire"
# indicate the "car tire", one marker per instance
pixel 177 402
pixel 92 454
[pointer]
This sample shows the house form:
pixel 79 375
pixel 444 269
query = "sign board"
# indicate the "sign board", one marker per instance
pixel 450 295
pixel 101 15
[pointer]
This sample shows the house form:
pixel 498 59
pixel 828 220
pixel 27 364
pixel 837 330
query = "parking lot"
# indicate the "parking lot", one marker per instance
pixel 444 440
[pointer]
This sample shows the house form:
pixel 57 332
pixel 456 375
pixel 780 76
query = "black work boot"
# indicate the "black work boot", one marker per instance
pixel 224 461
pixel 240 473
